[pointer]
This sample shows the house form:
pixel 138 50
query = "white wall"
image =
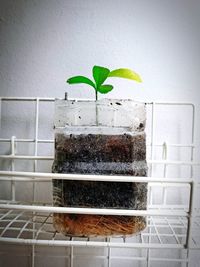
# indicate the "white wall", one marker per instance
pixel 44 42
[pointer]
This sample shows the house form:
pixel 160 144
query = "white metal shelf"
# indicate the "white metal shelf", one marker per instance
pixel 174 226
pixel 19 225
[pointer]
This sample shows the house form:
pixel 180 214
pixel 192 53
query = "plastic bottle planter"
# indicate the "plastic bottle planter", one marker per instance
pixel 103 137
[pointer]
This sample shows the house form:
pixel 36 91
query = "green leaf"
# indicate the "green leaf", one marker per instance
pixel 125 73
pixel 104 89
pixel 100 74
pixel 80 79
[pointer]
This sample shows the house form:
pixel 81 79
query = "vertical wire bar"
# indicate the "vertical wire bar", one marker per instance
pixel 36 136
pixel 0 110
pixel 35 169
pixel 109 253
pixel 192 140
pixel 151 173
pixel 152 150
pixel 13 144
pixel 152 136
pixel 71 254
pixel 71 249
pixel 164 157
pixel 188 237
pixel 189 227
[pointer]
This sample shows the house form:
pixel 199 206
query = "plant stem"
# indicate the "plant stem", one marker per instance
pixel 96 97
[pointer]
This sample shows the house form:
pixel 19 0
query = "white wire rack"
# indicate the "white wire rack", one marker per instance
pixel 172 227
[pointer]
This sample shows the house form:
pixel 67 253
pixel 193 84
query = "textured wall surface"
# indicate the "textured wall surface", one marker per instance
pixel 44 42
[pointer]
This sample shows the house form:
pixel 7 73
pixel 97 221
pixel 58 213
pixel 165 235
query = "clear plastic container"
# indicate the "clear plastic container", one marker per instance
pixel 103 137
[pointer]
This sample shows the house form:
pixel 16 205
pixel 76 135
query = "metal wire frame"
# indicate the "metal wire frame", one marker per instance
pixel 168 217
pixel 19 224
pixel 22 229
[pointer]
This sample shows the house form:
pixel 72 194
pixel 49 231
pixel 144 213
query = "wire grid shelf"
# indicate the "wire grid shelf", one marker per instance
pixel 169 226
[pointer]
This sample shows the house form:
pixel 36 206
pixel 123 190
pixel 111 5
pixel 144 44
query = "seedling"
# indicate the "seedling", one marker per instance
pixel 100 74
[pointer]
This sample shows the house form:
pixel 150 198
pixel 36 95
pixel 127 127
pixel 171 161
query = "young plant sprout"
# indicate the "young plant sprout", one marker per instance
pixel 100 74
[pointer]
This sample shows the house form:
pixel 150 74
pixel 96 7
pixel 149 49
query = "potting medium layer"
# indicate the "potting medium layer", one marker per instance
pixel 100 154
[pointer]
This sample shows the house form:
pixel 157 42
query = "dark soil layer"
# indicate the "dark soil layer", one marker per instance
pixel 100 194
pixel 100 154
pixel 124 148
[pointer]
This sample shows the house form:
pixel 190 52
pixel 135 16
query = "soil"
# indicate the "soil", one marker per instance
pixel 100 154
